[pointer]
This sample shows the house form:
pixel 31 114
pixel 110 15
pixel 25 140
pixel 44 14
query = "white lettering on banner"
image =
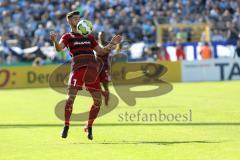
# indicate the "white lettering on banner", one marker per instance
pixel 211 70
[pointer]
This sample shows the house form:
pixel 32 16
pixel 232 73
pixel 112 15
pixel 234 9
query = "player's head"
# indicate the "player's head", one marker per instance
pixel 101 36
pixel 73 18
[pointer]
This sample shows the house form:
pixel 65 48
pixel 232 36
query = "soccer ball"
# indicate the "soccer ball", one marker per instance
pixel 84 27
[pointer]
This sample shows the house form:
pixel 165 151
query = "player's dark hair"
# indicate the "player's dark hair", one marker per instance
pixel 70 14
pixel 103 40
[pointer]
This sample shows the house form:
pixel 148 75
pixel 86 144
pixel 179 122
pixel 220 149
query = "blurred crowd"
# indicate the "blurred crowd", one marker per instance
pixel 25 24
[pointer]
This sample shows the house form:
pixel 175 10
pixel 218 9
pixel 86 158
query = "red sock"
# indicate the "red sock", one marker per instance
pixel 93 114
pixel 68 111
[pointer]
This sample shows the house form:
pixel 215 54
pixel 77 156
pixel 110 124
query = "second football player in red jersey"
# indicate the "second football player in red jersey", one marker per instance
pixel 80 46
pixel 105 73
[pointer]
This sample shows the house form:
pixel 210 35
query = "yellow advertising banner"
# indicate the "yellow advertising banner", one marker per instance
pixel 25 77
pixel 174 71
pixel 143 72
pixel 33 77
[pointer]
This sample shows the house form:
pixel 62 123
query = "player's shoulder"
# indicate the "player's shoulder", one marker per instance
pixel 66 35
pixel 91 36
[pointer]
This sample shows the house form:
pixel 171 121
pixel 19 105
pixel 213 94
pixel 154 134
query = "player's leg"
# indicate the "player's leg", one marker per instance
pixel 75 84
pixel 105 93
pixel 69 105
pixel 105 86
pixel 68 110
pixel 105 79
pixel 96 93
pixel 95 108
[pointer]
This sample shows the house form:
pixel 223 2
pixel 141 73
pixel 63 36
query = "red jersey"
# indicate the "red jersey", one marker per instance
pixel 106 60
pixel 105 74
pixel 78 44
pixel 180 53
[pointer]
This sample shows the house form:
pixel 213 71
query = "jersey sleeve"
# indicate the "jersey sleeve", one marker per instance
pixel 94 42
pixel 64 39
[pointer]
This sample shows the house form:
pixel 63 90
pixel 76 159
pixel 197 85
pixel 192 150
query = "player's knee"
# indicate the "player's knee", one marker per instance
pixel 72 91
pixel 71 98
pixel 98 102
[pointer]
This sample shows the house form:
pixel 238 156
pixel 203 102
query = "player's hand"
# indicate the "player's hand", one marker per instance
pixel 116 39
pixel 53 36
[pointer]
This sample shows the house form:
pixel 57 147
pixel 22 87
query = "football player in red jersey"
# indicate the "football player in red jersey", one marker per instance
pixel 80 46
pixel 104 75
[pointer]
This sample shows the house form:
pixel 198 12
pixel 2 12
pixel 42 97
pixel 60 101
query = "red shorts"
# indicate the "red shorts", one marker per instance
pixel 105 75
pixel 80 78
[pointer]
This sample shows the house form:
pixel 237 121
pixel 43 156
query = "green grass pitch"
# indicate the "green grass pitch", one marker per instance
pixel 29 129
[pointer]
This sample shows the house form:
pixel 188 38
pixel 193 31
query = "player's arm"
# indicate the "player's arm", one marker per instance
pixel 105 50
pixel 59 46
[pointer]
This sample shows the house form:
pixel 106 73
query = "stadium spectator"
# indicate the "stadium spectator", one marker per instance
pixel 180 52
pixel 232 33
pixel 217 36
pixel 205 51
pixel 237 50
pixel 39 36
pixel 182 35
pixel 11 59
pixel 236 18
pixel 122 53
pixel 149 55
pixel 162 53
